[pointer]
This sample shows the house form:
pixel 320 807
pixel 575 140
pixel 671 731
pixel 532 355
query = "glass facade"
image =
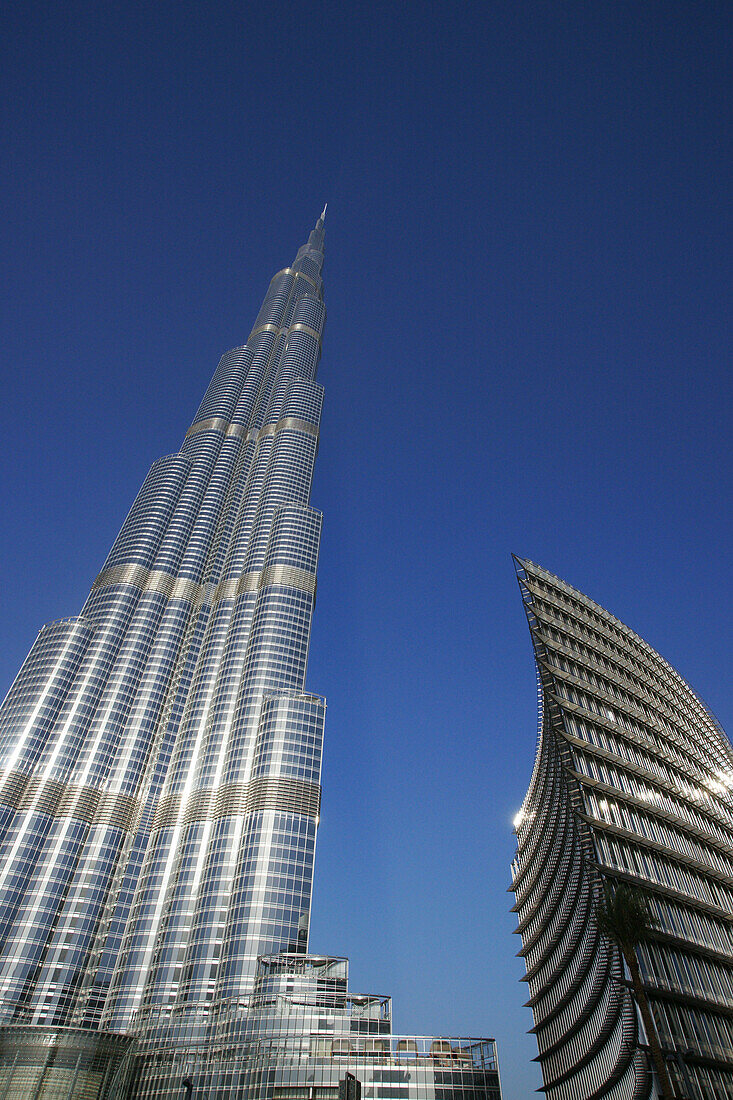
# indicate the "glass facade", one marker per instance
pixel 297 1036
pixel 160 757
pixel 633 782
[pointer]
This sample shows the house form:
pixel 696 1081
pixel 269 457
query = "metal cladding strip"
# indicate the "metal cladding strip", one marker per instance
pixel 300 326
pixel 151 580
pixel 280 794
pixel 288 423
pixel 13 786
pixel 549 642
pixel 119 810
pixel 269 327
pixel 235 586
pixel 289 577
pixel 295 796
pixel 276 330
pixel 83 803
pixel 212 424
pixel 297 274
pixel 180 588
pixel 166 813
pixel 295 424
pixel 200 806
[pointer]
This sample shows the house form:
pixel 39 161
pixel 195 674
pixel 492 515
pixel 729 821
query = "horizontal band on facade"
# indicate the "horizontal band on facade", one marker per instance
pixel 278 793
pixel 289 576
pixel 297 274
pixel 637 770
pixel 610 870
pixel 287 423
pixel 212 424
pixel 654 750
pixel 277 330
pixel 538 580
pixel 269 327
pixel 180 588
pixel 691 999
pixel 655 810
pixel 300 326
pixel 623 682
pixel 664 850
pixel 626 661
pixel 52 796
pixel 150 580
pixel 633 711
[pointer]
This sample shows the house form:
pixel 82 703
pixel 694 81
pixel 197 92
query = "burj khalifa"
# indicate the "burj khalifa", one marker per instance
pixel 160 764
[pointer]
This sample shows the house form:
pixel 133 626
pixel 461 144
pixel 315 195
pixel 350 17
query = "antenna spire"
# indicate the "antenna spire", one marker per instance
pixel 323 215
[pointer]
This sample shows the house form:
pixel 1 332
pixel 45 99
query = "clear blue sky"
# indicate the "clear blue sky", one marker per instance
pixel 527 347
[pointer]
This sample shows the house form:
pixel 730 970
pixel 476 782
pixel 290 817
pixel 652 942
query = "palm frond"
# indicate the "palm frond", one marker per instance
pixel 623 914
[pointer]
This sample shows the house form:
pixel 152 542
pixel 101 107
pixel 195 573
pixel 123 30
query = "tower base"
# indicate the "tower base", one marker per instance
pixel 61 1063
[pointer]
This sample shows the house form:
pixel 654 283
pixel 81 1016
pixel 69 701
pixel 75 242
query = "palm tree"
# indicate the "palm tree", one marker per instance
pixel 623 917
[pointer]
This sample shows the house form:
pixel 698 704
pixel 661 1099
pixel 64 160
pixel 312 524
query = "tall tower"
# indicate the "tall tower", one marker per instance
pixel 633 782
pixel 160 766
pixel 159 791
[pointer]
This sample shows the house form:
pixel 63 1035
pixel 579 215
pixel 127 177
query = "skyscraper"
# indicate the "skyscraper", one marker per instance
pixel 160 776
pixel 633 782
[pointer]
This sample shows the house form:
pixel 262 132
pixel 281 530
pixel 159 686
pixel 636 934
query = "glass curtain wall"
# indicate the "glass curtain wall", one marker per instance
pixel 159 754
